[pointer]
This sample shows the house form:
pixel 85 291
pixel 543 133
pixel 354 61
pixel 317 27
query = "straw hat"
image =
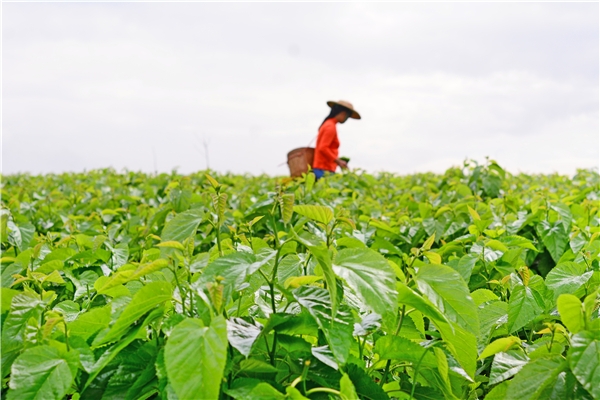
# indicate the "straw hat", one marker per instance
pixel 346 104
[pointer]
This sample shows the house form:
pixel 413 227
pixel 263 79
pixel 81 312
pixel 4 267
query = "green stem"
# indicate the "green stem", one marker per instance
pixel 219 240
pixel 414 384
pixel 273 349
pixel 66 335
pixel 389 362
pixel 324 390
pixel 181 293
pixel 276 237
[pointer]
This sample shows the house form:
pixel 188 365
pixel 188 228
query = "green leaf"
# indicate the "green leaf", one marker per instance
pixel 409 297
pixel 481 296
pixel 524 305
pixel 134 373
pixel 571 312
pixel 370 276
pixel 492 320
pixel 402 349
pixel 518 241
pixel 498 392
pixel 507 365
pixel 534 377
pixel 287 207
pixel 444 287
pixel 42 372
pixel 254 365
pixel 347 391
pixel 195 357
pixel 242 335
pixel 364 385
pixel 171 244
pixel 7 296
pixel 24 307
pixel 567 277
pixel 253 389
pixel 325 355
pixel 145 269
pixel 338 331
pixel 90 322
pixel 321 254
pixel 464 266
pixel 235 268
pixel 146 299
pixel 111 352
pixel 461 343
pixel 320 214
pixel 584 360
pixel 499 345
pixel 555 238
pixel 182 225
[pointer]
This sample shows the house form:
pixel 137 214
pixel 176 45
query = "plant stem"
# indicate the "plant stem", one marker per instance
pixel 322 389
pixel 389 362
pixel 66 335
pixel 273 349
pixel 219 240
pixel 414 384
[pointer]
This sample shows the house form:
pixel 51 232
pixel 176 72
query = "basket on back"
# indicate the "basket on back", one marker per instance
pixel 299 160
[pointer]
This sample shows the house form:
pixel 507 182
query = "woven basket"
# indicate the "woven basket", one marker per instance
pixel 299 160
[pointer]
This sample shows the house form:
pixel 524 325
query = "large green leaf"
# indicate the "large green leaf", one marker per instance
pixel 499 345
pixel 113 351
pixel 135 370
pixel 507 365
pixel 445 288
pixel 235 268
pixel 90 322
pixel 321 214
pixel 402 349
pixel 461 343
pixel 347 390
pixel 42 372
pixel 370 276
pixel 492 320
pixel 146 299
pixel 410 298
pixel 195 357
pixel 338 331
pixel 524 305
pixel 534 377
pixel 555 238
pixel 242 334
pixel 584 360
pixel 567 277
pixel 571 312
pixel 364 385
pixel 182 225
pixel 253 389
pixel 23 308
pixel 320 252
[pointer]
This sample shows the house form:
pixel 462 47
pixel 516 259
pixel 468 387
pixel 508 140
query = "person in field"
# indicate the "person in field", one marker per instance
pixel 326 151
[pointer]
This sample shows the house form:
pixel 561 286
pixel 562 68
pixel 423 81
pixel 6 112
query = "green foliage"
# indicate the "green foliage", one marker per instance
pixel 468 285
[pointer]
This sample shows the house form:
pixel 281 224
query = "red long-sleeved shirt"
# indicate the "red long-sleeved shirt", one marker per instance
pixel 326 151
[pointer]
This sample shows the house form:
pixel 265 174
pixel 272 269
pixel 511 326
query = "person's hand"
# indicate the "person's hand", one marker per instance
pixel 343 164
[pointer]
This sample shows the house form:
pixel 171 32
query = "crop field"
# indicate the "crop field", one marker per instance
pixel 473 284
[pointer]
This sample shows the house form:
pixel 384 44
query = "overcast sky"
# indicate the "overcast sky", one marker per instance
pixel 141 86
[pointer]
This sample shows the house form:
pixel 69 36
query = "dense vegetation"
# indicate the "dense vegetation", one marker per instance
pixel 473 284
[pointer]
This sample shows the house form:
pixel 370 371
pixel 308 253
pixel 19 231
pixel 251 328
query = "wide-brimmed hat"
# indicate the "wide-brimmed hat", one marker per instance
pixel 347 105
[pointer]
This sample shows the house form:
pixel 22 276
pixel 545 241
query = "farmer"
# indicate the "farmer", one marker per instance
pixel 326 152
